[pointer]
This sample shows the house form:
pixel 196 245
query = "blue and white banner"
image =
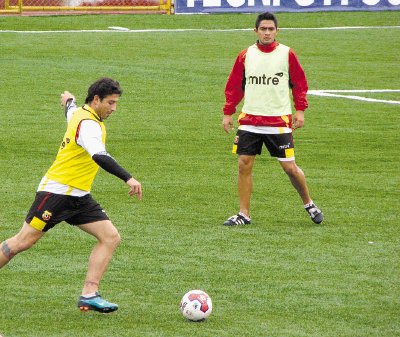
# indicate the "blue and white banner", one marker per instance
pixel 260 6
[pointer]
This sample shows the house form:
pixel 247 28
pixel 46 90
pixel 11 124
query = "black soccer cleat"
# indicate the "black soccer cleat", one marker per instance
pixel 238 219
pixel 315 213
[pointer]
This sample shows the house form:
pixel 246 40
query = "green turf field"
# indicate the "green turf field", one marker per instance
pixel 282 276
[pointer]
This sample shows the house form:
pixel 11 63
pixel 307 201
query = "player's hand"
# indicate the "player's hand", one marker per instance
pixel 298 120
pixel 227 123
pixel 135 188
pixel 65 96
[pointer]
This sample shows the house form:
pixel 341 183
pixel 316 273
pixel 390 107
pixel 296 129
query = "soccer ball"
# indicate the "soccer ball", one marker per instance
pixel 196 305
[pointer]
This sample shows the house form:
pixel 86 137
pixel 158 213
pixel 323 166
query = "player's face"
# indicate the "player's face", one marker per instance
pixel 266 32
pixel 106 106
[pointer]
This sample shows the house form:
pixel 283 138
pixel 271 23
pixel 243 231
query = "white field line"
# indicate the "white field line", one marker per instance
pixel 127 30
pixel 333 93
pixel 323 93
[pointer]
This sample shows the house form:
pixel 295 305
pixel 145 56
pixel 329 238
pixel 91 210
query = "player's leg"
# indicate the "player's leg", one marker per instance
pixel 108 239
pixel 245 187
pixel 298 180
pixel 40 218
pixel 282 146
pixel 245 182
pixel 20 242
pixel 248 146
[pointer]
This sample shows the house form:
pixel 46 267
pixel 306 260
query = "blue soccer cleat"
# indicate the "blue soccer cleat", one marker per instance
pixel 96 303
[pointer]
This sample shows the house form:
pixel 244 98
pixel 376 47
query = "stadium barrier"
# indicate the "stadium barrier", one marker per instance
pixel 259 6
pixel 6 7
pixel 75 6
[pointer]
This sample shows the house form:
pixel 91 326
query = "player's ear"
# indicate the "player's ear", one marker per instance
pixel 96 99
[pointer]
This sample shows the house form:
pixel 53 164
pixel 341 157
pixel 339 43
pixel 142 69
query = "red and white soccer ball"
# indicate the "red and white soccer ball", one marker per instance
pixel 196 305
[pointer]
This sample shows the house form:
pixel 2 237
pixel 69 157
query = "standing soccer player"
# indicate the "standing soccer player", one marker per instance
pixel 264 74
pixel 64 191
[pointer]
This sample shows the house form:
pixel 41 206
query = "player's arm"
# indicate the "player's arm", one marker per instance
pixel 68 102
pixel 234 91
pixel 298 83
pixel 89 138
pixel 109 164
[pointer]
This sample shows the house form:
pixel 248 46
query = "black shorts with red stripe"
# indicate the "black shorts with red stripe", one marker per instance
pixel 49 209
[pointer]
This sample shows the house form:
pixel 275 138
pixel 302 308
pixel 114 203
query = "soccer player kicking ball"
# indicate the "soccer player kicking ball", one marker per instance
pixel 64 191
pixel 264 74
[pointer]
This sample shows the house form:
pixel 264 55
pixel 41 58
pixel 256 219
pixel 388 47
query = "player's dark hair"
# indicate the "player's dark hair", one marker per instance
pixel 103 87
pixel 266 16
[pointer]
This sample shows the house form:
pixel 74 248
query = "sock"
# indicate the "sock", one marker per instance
pixel 311 203
pixel 89 295
pixel 244 216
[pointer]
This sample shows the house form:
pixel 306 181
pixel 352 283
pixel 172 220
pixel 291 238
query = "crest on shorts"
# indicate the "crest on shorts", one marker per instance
pixel 46 216
pixel 236 140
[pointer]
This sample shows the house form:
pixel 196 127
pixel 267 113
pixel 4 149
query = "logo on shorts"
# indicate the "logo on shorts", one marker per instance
pixel 236 140
pixel 46 216
pixel 286 146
